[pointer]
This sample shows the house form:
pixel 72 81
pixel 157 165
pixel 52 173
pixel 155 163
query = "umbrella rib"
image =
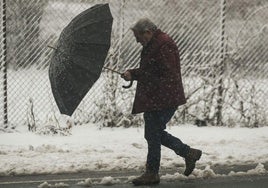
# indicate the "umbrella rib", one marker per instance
pixel 69 35
pixel 95 22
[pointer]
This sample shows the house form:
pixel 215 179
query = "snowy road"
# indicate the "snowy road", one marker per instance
pixel 260 181
pixel 122 180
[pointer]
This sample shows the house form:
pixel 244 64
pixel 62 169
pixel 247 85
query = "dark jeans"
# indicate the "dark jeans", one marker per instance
pixel 155 134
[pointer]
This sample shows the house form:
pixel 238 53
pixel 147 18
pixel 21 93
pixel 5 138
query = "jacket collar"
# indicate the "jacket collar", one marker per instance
pixel 154 37
pixel 154 42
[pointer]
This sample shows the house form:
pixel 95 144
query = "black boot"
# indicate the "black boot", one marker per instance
pixel 148 178
pixel 190 160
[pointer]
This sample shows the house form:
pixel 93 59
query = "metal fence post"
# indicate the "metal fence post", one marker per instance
pixel 4 65
pixel 221 66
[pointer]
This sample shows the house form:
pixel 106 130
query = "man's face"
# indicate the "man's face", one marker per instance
pixel 143 38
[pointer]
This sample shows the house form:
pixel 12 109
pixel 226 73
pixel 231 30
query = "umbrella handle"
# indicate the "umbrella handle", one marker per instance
pixel 128 86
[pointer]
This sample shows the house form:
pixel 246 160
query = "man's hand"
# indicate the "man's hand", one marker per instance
pixel 126 76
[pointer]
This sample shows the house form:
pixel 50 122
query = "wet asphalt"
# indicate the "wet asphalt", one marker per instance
pixel 71 180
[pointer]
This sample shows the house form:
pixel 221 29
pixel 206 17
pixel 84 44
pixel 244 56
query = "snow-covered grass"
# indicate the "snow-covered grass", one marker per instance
pixel 91 148
pixel 34 85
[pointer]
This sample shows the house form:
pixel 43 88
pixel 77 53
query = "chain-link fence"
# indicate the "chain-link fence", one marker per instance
pixel 223 46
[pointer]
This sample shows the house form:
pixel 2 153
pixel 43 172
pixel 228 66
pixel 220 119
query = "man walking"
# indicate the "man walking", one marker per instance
pixel 159 93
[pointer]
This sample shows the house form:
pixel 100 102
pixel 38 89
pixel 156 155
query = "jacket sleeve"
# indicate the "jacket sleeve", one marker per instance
pixel 148 72
pixel 135 73
pixel 164 64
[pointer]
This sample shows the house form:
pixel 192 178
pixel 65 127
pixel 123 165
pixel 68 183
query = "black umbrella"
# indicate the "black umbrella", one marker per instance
pixel 78 59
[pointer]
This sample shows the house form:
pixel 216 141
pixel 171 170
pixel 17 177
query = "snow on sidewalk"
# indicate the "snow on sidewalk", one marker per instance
pixel 90 148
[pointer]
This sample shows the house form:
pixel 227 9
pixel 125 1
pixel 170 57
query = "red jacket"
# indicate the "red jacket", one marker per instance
pixel 159 76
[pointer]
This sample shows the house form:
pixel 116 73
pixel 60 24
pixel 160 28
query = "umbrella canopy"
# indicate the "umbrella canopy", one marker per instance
pixel 77 61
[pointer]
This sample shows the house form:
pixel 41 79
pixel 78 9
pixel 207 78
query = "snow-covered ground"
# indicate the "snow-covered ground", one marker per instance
pixel 91 148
